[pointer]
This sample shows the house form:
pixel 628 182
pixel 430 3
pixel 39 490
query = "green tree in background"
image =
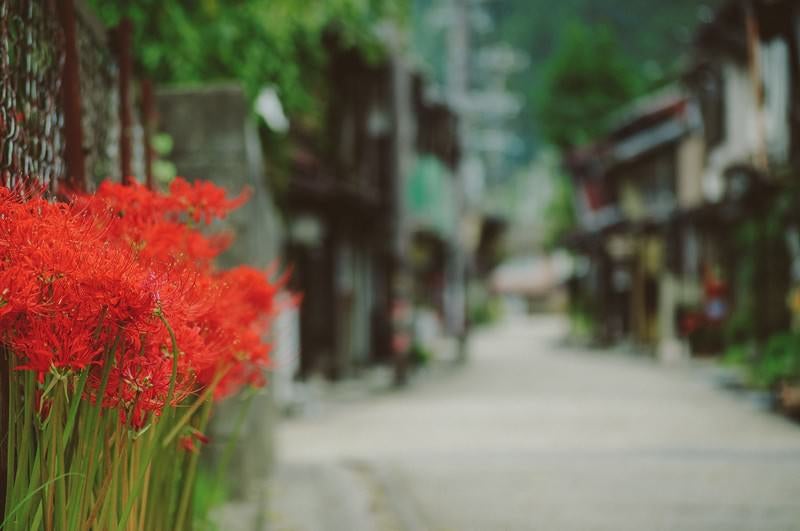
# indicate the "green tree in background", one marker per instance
pixel 257 42
pixel 582 85
pixel 654 34
pixel 559 215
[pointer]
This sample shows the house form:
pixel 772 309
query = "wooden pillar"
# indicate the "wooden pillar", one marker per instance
pixel 638 318
pixel 148 114
pixel 71 93
pixel 754 68
pixel 122 39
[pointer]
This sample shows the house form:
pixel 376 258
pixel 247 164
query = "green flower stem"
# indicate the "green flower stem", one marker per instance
pixel 184 420
pixel 23 446
pixel 11 417
pixel 77 399
pixel 188 481
pixel 88 461
pixel 58 457
pixel 140 476
pixel 232 442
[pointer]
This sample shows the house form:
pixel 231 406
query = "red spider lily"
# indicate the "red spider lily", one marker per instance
pixel 47 344
pixel 126 276
pixel 187 442
pixel 204 201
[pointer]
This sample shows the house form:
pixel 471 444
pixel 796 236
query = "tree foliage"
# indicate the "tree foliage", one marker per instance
pixel 585 81
pixel 559 214
pixel 653 34
pixel 257 42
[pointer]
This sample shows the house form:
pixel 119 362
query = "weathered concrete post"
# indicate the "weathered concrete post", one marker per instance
pixel 215 138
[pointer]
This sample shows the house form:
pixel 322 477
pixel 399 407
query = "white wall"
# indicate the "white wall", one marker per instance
pixel 746 121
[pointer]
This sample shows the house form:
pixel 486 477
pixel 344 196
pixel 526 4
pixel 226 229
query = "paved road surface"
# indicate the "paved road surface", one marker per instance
pixel 532 435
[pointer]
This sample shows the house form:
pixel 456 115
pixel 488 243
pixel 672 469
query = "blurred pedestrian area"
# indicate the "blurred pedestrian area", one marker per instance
pixel 538 433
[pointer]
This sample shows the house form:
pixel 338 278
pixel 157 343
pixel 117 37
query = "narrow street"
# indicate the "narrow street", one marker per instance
pixel 533 435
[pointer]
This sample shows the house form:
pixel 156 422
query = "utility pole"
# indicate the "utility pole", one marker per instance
pixel 404 152
pixel 457 91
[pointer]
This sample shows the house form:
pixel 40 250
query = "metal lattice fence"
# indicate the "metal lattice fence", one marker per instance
pixel 31 114
pixel 61 73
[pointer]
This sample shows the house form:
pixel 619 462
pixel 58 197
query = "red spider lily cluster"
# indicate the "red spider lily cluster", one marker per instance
pixel 120 333
pixel 122 283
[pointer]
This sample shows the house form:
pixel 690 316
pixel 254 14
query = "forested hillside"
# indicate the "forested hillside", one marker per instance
pixel 649 40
